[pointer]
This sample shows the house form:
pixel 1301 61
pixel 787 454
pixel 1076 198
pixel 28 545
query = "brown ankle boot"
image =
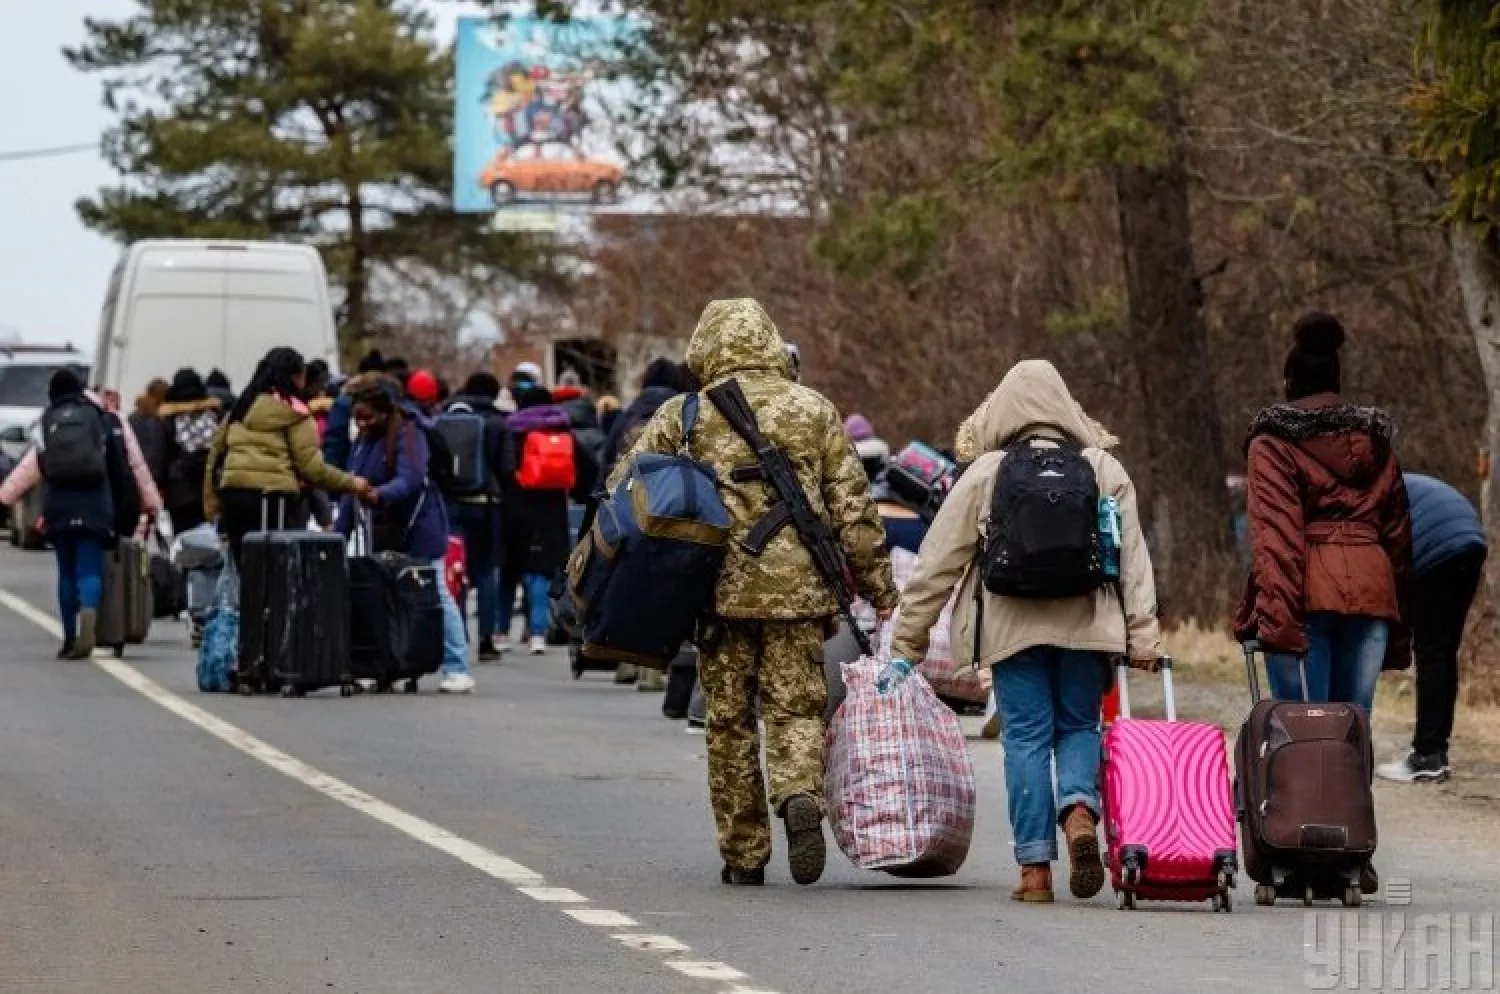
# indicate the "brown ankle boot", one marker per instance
pixel 1086 871
pixel 1036 884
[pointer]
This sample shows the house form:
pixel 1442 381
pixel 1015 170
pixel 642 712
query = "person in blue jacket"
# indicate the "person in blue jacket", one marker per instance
pixel 1448 549
pixel 337 437
pixel 409 514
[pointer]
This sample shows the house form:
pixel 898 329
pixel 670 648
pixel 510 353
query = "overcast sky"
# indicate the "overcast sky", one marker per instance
pixel 52 270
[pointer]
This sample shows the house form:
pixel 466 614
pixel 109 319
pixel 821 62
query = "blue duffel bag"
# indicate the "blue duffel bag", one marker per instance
pixel 648 566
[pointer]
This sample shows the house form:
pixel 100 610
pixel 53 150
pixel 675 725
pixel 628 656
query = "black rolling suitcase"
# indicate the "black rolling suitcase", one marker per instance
pixel 396 617
pixel 294 614
pixel 125 602
pixel 1303 774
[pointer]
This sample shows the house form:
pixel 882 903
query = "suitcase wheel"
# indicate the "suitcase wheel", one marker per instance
pixel 1308 896
pixel 411 686
pixel 346 690
pixel 1265 895
pixel 1224 901
pixel 120 651
pixel 292 690
pixel 245 689
pixel 1125 900
pixel 1353 897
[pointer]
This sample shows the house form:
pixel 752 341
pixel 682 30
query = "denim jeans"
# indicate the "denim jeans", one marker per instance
pixel 1344 656
pixel 538 588
pixel 80 577
pixel 1049 701
pixel 479 526
pixel 455 638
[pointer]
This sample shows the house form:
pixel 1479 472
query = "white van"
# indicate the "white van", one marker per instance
pixel 210 305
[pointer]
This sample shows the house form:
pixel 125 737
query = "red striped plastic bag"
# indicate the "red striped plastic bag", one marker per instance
pixel 900 785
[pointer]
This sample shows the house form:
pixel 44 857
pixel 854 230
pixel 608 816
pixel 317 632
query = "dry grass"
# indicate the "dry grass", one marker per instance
pixel 1211 655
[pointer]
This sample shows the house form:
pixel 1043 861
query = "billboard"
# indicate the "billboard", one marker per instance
pixel 531 129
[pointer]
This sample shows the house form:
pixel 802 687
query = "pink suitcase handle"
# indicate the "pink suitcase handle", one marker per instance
pixel 1164 664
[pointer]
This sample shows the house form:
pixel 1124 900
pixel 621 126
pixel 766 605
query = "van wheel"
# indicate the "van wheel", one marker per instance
pixel 503 194
pixel 606 192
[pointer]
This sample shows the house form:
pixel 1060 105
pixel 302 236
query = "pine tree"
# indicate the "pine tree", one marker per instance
pixel 321 121
pixel 896 116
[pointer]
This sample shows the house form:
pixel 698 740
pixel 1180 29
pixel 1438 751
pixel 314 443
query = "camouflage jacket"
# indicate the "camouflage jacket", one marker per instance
pixel 735 338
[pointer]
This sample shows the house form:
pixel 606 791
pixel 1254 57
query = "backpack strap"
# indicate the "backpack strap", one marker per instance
pixel 690 405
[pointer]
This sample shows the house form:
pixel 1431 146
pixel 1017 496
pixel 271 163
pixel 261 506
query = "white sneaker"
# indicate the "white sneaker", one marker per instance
pixel 1414 768
pixel 457 683
pixel 538 645
pixel 991 727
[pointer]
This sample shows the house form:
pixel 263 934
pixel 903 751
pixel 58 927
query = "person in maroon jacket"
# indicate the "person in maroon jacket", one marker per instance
pixel 1330 533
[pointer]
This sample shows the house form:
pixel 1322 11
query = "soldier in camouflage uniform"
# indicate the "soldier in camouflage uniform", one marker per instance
pixel 774 609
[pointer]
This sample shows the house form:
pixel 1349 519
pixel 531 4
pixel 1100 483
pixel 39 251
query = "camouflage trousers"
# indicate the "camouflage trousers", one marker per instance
pixel 784 662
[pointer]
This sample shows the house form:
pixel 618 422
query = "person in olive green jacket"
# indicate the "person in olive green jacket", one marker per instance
pixel 264 453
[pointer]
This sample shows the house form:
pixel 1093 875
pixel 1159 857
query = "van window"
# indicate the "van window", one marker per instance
pixel 26 386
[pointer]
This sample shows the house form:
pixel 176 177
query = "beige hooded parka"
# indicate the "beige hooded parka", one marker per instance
pixel 1031 400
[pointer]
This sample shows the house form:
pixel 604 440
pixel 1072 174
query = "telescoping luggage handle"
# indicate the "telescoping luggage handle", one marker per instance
pixel 1251 647
pixel 1122 668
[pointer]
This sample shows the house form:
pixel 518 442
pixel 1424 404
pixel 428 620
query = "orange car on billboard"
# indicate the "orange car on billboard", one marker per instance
pixel 547 171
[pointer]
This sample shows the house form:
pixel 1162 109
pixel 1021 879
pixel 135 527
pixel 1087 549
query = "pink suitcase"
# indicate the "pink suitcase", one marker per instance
pixel 1168 807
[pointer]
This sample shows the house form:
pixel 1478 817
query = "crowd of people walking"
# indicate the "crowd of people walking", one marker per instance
pixel 1351 561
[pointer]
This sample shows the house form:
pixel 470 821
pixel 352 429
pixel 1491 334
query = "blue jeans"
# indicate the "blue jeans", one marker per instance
pixel 80 577
pixel 1049 702
pixel 455 639
pixel 538 602
pixel 1344 656
pixel 479 526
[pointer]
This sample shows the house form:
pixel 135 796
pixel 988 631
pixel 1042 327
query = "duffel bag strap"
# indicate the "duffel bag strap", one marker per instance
pixel 689 420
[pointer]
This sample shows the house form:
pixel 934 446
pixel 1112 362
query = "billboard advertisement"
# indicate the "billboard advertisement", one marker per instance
pixel 531 128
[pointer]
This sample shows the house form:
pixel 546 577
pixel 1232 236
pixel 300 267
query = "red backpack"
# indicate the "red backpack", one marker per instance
pixel 547 461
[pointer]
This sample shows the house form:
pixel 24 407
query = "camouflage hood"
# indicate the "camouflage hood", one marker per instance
pixel 733 337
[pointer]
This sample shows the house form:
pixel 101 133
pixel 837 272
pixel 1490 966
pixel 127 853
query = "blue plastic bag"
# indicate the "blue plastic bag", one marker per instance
pixel 221 635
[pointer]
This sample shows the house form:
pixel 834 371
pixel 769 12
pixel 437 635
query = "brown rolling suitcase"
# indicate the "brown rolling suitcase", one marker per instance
pixel 125 603
pixel 1303 773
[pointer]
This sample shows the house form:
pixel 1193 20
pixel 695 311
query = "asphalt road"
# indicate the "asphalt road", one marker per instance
pixel 156 839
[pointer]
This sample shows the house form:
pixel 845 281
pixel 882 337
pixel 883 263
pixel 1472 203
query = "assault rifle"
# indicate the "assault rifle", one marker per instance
pixel 791 508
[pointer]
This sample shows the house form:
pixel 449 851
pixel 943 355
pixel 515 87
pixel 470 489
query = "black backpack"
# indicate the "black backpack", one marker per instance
pixel 1042 538
pixel 73 445
pixel 440 463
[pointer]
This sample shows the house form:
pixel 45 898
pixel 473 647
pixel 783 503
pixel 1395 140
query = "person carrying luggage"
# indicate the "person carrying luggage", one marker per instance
pixel 409 517
pixel 1449 549
pixel 265 451
pixel 82 458
pixel 1048 596
pixel 551 467
pixel 484 474
pixel 190 418
pixel 1330 533
pixel 773 608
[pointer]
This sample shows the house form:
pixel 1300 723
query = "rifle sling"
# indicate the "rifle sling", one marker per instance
pixel 767 528
pixel 729 399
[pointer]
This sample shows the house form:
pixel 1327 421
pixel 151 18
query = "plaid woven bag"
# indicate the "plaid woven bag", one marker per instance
pixel 949 678
pixel 899 782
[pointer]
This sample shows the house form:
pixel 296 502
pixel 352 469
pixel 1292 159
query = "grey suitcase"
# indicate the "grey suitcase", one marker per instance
pixel 125 603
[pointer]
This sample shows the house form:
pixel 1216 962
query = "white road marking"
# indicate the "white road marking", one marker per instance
pixel 554 895
pixel 705 971
pixel 651 943
pixel 525 881
pixel 600 918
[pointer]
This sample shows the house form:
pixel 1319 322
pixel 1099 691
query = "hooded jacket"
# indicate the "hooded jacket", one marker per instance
pixel 274 450
pixel 1032 399
pixel 735 338
pixel 409 504
pixel 189 427
pixel 1330 528
pixel 632 421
